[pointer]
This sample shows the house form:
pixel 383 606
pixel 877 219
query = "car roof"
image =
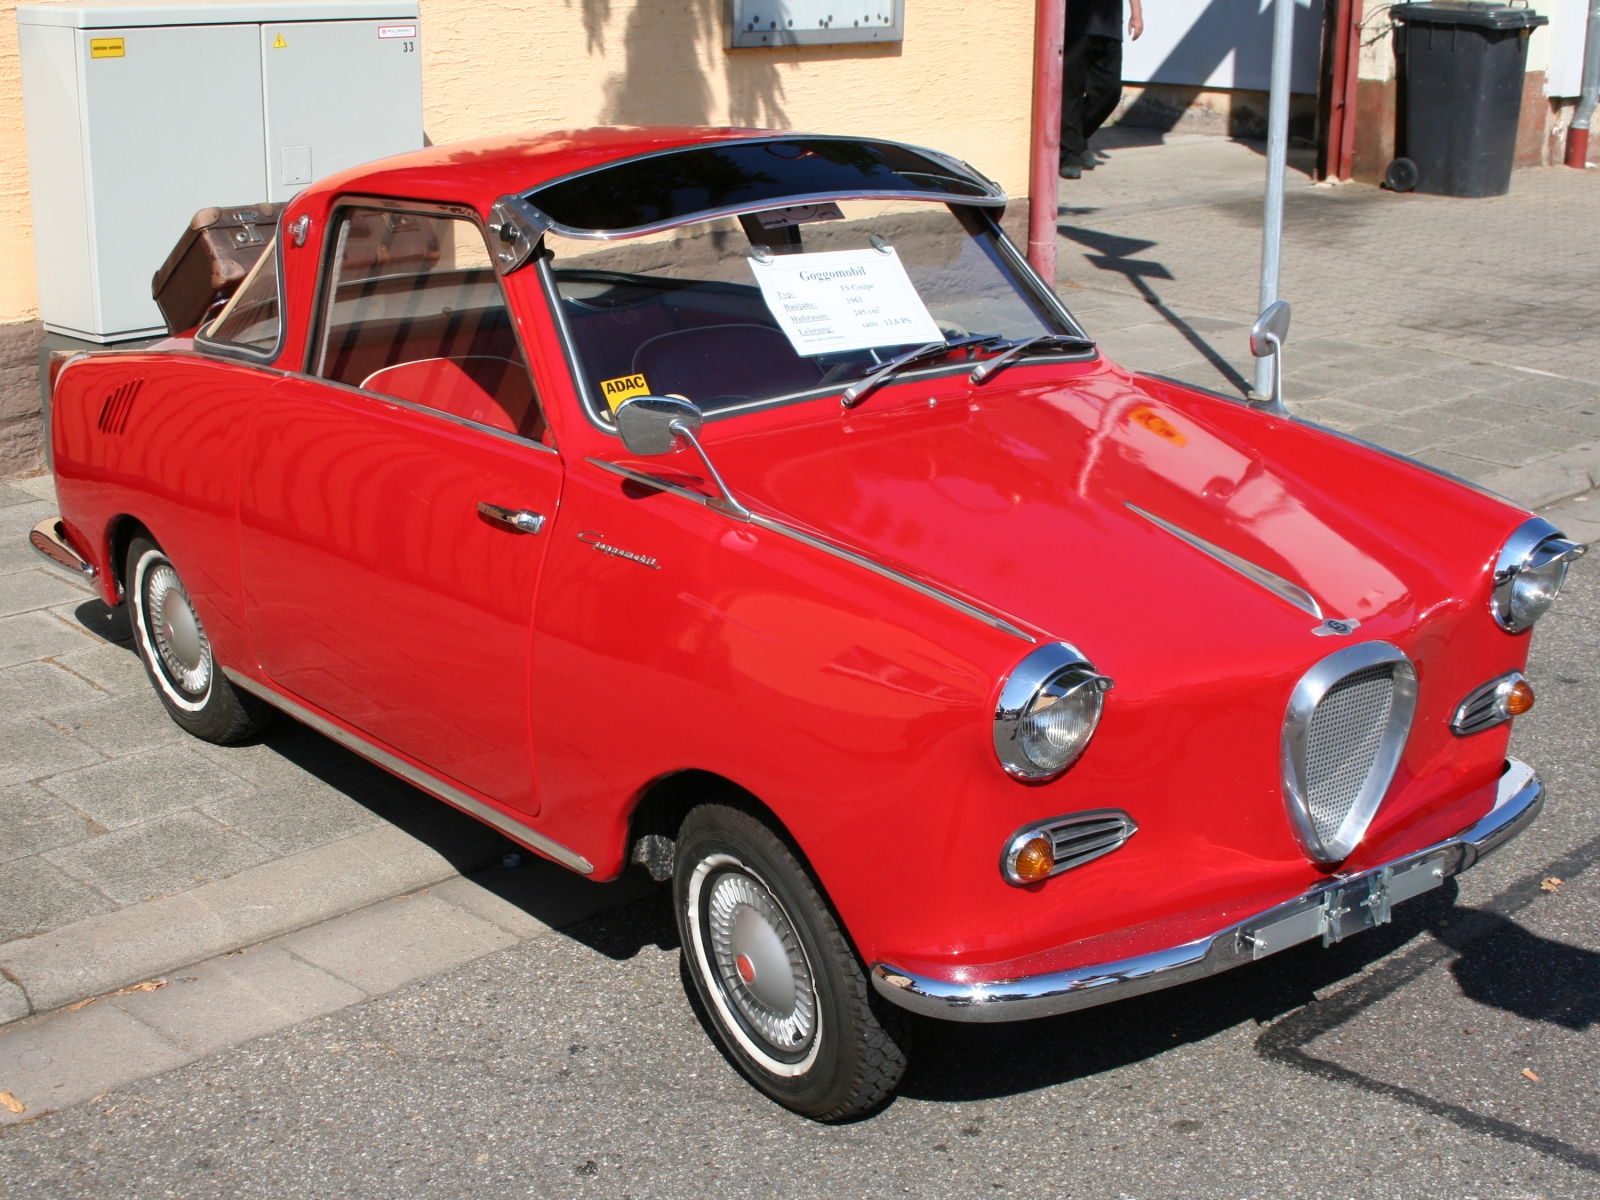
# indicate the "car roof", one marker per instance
pixel 480 171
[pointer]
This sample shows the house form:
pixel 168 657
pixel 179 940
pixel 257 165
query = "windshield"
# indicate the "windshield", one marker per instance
pixel 739 312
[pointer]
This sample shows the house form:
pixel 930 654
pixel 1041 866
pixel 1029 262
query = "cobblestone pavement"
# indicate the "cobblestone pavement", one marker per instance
pixel 1463 332
pixel 106 804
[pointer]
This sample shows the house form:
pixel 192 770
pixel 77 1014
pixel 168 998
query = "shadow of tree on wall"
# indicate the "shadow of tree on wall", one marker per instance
pixel 672 55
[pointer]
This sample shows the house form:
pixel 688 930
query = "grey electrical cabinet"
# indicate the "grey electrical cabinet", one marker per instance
pixel 139 115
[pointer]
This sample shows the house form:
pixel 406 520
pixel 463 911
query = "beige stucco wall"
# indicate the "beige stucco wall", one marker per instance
pixel 16 244
pixel 961 81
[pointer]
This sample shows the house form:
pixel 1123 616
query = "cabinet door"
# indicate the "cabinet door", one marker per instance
pixel 339 94
pixel 172 124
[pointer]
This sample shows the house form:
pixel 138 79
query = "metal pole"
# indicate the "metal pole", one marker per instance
pixel 1277 160
pixel 1578 135
pixel 1050 27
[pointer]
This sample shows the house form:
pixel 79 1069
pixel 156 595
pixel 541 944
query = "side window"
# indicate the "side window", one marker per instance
pixel 414 310
pixel 250 318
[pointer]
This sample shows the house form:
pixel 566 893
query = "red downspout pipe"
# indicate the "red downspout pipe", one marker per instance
pixel 1342 110
pixel 1049 31
pixel 1336 102
pixel 1352 71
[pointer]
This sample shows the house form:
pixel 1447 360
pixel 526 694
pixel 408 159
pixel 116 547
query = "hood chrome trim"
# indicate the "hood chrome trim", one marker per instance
pixel 827 547
pixel 1276 584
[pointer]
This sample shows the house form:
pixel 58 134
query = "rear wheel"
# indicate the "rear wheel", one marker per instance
pixel 177 654
pixel 786 993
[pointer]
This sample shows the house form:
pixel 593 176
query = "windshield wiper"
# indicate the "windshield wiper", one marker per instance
pixel 1045 341
pixel 853 394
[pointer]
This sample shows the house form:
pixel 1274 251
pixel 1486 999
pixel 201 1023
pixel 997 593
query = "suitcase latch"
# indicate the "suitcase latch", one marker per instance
pixel 248 236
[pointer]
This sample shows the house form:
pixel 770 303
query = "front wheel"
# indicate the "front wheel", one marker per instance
pixel 177 654
pixel 786 993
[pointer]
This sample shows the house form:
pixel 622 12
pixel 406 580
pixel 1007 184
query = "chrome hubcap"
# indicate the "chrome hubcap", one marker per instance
pixel 759 962
pixel 176 632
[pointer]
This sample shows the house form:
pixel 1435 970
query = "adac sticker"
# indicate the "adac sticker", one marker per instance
pixel 623 388
pixel 106 48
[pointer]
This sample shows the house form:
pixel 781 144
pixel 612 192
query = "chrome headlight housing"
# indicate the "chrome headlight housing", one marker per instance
pixel 1049 707
pixel 1529 573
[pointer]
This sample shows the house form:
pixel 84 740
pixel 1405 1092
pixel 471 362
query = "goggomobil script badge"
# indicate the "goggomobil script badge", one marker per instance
pixel 844 300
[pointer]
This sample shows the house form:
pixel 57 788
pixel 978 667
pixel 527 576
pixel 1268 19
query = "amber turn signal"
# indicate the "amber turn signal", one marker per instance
pixel 1519 699
pixel 1034 860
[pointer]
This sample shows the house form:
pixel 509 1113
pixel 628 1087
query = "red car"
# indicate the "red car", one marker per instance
pixel 739 507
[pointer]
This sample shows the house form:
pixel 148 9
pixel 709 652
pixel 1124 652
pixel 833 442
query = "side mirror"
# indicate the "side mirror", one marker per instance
pixel 650 425
pixel 1271 329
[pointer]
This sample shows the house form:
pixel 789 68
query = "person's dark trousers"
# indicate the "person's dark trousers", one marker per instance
pixel 1091 86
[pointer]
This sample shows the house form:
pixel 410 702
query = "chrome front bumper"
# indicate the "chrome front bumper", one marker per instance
pixel 1332 911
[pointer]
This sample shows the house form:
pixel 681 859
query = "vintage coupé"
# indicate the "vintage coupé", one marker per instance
pixel 740 508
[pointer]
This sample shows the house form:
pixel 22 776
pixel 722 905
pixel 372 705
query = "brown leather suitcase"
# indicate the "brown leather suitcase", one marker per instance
pixel 210 261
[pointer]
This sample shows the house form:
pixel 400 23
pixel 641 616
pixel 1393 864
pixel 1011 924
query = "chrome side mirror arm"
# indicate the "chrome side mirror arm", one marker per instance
pixel 725 503
pixel 652 425
pixel 1266 340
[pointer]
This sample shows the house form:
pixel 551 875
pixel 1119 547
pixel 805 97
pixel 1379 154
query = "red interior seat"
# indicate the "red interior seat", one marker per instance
pixel 484 388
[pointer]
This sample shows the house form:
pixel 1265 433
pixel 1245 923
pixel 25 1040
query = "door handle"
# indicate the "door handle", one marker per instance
pixel 518 520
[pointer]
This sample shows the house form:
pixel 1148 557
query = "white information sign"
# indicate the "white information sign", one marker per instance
pixel 844 300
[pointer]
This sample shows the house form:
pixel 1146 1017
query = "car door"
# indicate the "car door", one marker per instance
pixel 393 501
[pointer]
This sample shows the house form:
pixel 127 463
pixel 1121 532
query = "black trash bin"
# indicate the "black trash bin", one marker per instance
pixel 1461 68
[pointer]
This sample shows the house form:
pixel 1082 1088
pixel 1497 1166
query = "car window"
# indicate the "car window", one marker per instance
pixel 682 313
pixel 250 318
pixel 414 310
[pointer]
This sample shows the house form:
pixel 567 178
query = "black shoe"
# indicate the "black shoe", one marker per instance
pixel 1071 169
pixel 1089 161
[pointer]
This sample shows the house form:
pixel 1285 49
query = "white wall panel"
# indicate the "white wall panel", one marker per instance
pixel 1221 44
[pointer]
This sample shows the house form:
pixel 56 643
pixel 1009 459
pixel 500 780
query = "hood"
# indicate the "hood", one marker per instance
pixel 1021 495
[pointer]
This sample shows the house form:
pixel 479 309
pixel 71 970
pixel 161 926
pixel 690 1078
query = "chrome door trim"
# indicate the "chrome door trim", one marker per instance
pixel 1276 584
pixel 416 776
pixel 827 547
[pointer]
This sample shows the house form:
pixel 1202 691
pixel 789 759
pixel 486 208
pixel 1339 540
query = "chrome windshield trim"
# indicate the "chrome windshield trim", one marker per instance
pixel 1276 584
pixel 993 196
pixel 733 210
pixel 827 547
pixel 416 776
pixel 1519 798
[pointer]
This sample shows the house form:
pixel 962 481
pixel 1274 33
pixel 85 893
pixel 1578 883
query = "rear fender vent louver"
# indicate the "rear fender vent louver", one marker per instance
pixel 117 406
pixel 1343 735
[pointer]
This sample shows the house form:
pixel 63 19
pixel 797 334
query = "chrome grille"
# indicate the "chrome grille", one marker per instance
pixel 1083 836
pixel 1342 744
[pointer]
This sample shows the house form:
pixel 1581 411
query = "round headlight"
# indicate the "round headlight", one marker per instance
pixel 1529 573
pixel 1048 711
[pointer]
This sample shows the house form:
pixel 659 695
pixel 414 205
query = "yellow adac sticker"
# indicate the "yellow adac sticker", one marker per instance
pixel 106 48
pixel 624 388
pixel 279 44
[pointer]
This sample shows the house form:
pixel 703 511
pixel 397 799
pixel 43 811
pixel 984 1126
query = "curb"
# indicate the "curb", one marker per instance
pixel 101 954
pixel 1551 480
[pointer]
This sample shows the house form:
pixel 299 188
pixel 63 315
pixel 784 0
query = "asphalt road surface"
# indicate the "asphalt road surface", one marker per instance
pixel 1452 1053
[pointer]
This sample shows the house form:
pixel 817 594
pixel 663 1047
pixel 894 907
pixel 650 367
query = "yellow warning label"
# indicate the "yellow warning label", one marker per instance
pixel 279 44
pixel 628 386
pixel 106 48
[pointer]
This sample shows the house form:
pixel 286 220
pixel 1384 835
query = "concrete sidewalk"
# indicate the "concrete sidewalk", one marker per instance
pixel 1461 332
pixel 129 849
